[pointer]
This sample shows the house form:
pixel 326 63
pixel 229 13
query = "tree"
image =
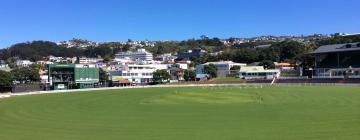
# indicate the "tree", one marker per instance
pixel 268 64
pixel 35 57
pixel 103 50
pixel 12 62
pixel 204 37
pixel 338 40
pixel 211 70
pixel 36 50
pixel 26 74
pixel 245 55
pixel 103 76
pixel 189 75
pixel 159 76
pixel 107 59
pixel 4 54
pixel 271 53
pixel 289 50
pixel 160 50
pixel 235 68
pixel 5 79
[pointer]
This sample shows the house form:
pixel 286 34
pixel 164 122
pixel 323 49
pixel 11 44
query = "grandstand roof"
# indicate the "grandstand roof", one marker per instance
pixel 225 62
pixel 338 48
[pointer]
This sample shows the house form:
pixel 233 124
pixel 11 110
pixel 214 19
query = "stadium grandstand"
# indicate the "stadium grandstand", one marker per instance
pixel 338 61
pixel 73 76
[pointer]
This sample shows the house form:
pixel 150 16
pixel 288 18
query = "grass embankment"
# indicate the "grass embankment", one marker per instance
pixel 227 79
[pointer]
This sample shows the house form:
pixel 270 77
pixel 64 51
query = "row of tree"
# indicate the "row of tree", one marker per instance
pixel 19 74
pixel 36 50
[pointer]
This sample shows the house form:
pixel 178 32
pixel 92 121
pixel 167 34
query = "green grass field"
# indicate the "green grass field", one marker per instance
pixel 187 113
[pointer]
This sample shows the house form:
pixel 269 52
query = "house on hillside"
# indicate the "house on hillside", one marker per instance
pixel 195 53
pixel 24 63
pixel 4 66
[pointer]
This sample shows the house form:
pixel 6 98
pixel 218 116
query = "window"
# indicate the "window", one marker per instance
pixel 348 45
pixel 357 73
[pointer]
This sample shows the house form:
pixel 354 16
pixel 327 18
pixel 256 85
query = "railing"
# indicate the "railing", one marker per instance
pixel 327 77
pixel 354 76
pixel 317 84
pixel 299 77
pixel 4 89
pixel 27 87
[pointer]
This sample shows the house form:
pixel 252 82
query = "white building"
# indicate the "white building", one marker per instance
pixel 258 72
pixel 55 59
pixel 61 59
pixel 101 65
pixel 223 68
pixel 182 66
pixel 123 61
pixel 71 59
pixel 166 58
pixel 44 62
pixel 4 65
pixel 85 60
pixel 44 79
pixel 216 53
pixel 139 55
pixel 135 74
pixel 24 63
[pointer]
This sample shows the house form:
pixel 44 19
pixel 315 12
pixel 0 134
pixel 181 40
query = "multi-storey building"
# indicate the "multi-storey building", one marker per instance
pixel 139 55
pixel 135 74
pixel 85 60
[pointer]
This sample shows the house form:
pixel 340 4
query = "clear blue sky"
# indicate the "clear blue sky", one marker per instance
pixel 118 20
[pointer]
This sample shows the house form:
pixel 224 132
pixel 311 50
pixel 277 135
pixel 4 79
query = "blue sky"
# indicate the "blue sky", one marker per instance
pixel 118 20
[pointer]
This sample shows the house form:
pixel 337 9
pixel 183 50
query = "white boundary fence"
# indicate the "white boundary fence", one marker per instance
pixel 7 95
